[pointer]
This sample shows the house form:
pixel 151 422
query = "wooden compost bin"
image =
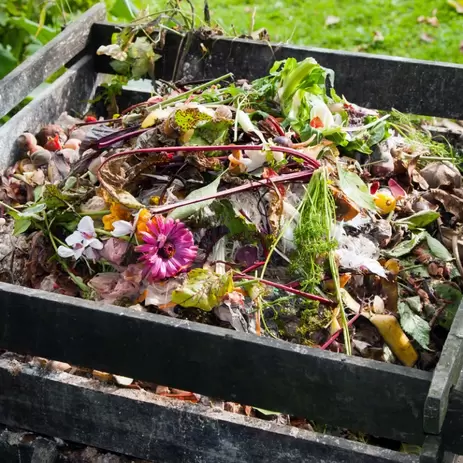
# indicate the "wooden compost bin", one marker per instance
pixel 381 399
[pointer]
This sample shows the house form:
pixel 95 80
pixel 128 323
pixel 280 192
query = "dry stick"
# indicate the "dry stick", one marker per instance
pixel 288 289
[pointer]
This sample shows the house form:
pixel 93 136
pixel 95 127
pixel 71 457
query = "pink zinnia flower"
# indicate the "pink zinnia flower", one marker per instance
pixel 169 248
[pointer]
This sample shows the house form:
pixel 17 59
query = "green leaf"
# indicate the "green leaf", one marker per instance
pixel 185 211
pixel 7 61
pixel 414 325
pixel 236 223
pixel 405 247
pixel 355 189
pixel 21 225
pixel 203 289
pixel 121 67
pixel 452 297
pixel 438 249
pixel 419 220
pixel 414 303
pixel 33 211
pixel 54 198
pixel 124 9
pixel 211 133
pixel 44 34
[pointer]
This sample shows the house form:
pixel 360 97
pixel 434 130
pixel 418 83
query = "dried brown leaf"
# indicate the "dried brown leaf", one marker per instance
pixel 441 175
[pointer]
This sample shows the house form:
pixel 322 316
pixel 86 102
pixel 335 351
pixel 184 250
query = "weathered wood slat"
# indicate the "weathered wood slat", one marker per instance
pixel 17 447
pixel 381 399
pixel 31 73
pixel 452 430
pixel 150 427
pixel 374 81
pixel 445 376
pixel 70 92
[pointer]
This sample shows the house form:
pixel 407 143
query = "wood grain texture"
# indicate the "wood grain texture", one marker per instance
pixel 359 394
pixel 15 86
pixel 70 92
pixel 150 427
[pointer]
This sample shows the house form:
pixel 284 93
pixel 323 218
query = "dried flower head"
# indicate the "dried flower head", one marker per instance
pixel 169 248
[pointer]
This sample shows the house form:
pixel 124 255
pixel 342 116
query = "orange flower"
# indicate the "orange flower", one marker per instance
pixel 143 219
pixel 118 212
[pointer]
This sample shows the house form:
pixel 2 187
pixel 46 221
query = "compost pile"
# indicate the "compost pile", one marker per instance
pixel 274 207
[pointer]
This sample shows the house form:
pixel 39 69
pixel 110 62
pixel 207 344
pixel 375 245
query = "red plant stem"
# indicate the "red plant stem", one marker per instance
pixel 336 335
pixel 302 175
pixel 253 267
pixel 124 136
pixel 175 149
pixel 294 284
pixel 288 289
pixel 276 125
pixel 104 121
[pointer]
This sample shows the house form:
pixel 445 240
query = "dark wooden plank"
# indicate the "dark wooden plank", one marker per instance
pixel 22 447
pixel 452 430
pixel 445 376
pixel 378 398
pixel 31 73
pixel 374 81
pixel 147 426
pixel 69 92
pixel 432 450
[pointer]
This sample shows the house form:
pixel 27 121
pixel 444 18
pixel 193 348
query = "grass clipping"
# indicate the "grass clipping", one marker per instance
pixel 315 244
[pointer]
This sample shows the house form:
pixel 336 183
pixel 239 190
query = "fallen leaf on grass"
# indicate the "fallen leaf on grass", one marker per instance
pixel 332 20
pixel 431 20
pixel 425 37
pixel 378 36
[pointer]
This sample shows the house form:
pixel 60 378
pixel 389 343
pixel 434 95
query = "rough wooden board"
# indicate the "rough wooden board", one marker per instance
pixel 150 427
pixel 31 73
pixel 374 81
pixel 452 430
pixel 445 376
pixel 359 394
pixel 69 93
pixel 16 447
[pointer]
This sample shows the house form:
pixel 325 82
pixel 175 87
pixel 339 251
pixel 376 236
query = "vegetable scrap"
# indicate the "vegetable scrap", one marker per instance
pixel 273 207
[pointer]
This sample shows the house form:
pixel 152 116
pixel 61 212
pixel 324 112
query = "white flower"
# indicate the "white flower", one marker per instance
pixel 124 228
pixel 82 242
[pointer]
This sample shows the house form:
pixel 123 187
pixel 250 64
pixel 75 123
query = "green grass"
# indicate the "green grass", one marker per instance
pixel 303 22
